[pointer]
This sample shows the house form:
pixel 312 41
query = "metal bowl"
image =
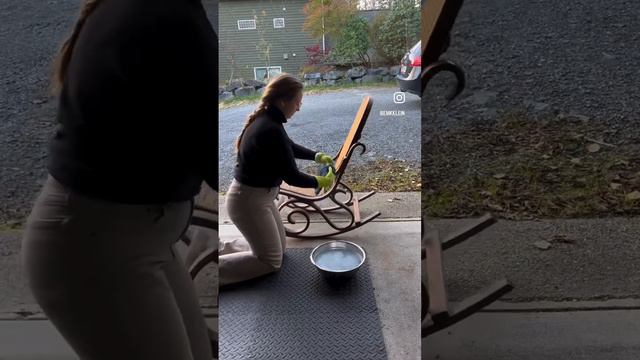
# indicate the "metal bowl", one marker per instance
pixel 338 259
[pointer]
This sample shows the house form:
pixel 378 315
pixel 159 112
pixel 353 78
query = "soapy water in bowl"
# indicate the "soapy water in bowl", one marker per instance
pixel 338 260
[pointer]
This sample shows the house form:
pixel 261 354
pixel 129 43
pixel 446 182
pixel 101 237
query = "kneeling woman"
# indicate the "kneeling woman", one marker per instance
pixel 266 157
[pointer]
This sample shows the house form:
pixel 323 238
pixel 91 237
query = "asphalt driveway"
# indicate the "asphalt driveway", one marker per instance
pixel 392 130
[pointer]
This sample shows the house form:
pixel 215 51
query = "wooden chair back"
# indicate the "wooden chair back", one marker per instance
pixel 354 134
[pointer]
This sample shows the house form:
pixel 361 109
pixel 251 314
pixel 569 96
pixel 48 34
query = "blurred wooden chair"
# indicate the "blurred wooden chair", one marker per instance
pixel 438 17
pixel 437 312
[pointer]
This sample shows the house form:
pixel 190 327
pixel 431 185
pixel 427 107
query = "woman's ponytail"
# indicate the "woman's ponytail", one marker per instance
pixel 61 63
pixel 281 87
pixel 251 118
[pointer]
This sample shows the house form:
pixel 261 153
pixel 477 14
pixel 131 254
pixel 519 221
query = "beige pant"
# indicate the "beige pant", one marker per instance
pixel 254 213
pixel 108 278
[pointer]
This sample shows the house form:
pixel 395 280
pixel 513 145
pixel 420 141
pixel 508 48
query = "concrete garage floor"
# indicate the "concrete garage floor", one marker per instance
pixel 585 334
pixel 394 259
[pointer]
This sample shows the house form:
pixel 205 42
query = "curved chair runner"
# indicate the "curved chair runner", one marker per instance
pixel 304 202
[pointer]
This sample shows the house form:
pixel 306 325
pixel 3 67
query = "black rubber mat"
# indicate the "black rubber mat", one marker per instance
pixel 296 314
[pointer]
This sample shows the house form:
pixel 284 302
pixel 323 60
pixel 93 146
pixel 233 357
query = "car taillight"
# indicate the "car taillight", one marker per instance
pixel 417 61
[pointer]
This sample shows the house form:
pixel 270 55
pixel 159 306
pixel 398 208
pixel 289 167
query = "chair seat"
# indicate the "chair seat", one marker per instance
pixel 310 192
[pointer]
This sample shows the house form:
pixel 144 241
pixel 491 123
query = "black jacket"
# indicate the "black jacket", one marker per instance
pixel 267 155
pixel 138 119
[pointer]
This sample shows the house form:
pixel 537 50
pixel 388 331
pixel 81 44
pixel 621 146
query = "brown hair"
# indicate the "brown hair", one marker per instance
pixel 282 87
pixel 63 58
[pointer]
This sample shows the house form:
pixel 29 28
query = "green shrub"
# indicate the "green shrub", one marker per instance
pixel 353 43
pixel 394 33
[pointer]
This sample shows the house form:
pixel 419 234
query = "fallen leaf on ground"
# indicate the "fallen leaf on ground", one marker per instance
pixel 635 195
pixel 495 207
pixel 593 148
pixel 13 224
pixel 500 176
pixel 561 238
pixel 615 186
pixel 542 245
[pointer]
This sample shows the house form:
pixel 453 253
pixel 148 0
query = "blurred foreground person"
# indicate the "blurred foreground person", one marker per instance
pixel 137 136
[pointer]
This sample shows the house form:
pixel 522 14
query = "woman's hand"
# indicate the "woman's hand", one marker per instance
pixel 325 182
pixel 322 158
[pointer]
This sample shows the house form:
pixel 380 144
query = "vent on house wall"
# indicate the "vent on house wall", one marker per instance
pixel 246 24
pixel 278 23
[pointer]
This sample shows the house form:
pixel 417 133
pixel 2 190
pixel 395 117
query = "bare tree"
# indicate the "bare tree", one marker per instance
pixel 263 46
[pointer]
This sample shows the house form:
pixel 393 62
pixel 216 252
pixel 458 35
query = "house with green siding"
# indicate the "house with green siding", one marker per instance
pixel 260 37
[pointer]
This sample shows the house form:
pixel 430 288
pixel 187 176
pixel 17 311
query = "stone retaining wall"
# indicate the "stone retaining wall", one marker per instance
pixel 357 75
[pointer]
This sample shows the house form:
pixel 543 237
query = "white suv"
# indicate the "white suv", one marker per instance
pixel 410 68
